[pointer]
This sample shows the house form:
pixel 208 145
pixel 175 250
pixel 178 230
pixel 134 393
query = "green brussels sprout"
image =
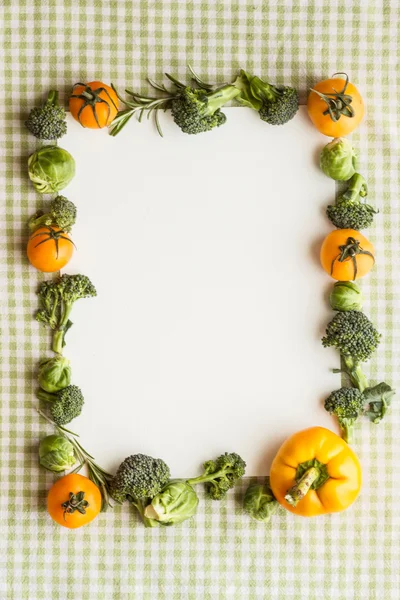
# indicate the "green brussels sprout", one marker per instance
pixel 56 453
pixel 346 295
pixel 54 374
pixel 259 501
pixel 51 169
pixel 338 159
pixel 176 502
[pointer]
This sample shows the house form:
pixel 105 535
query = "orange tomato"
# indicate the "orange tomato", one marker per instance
pixel 49 249
pixel 347 255
pixel 73 501
pixel 335 106
pixel 93 104
pixel 336 478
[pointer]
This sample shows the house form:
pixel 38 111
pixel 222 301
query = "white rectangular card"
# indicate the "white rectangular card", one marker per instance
pixel 205 335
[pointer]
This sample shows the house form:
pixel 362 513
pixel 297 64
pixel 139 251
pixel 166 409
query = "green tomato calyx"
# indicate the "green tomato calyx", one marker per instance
pixel 339 103
pixel 75 502
pixel 53 236
pixel 90 98
pixel 349 251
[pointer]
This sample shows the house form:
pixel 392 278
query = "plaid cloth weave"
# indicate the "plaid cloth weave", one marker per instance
pixel 221 554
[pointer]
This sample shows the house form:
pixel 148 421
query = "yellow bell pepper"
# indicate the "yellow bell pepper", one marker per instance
pixel 314 473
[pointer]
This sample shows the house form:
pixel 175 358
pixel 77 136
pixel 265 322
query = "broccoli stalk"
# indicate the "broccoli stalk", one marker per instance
pixel 349 212
pixel 62 213
pixel 48 122
pixel 63 325
pixel 353 334
pixel 355 373
pixel 140 506
pixel 220 475
pixel 57 299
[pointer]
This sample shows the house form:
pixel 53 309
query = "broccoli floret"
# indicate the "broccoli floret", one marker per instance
pixel 57 299
pixel 276 105
pixel 221 475
pixel 65 405
pixel 259 501
pixel 138 479
pixel 349 212
pixel 347 404
pixel 62 213
pixel 353 334
pixel 49 299
pixel 48 122
pixel 196 110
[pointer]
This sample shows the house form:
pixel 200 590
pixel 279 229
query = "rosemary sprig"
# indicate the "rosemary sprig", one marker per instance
pixel 96 473
pixel 137 104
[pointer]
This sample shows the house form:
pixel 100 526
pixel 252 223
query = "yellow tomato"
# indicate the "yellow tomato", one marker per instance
pixel 73 501
pixel 347 255
pixel 335 106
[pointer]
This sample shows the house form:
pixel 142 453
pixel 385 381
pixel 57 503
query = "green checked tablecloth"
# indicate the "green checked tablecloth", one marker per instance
pixel 221 554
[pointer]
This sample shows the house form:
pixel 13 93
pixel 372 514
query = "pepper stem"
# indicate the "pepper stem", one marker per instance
pixel 298 491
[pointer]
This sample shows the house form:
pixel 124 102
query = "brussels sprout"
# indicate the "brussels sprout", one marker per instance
pixel 346 295
pixel 51 169
pixel 176 502
pixel 54 374
pixel 338 159
pixel 56 453
pixel 259 501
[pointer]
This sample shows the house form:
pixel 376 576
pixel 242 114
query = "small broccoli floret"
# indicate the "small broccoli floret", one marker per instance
pixel 276 105
pixel 65 405
pixel 347 404
pixel 138 479
pixel 346 215
pixel 221 475
pixel 196 110
pixel 353 334
pixel 49 299
pixel 259 501
pixel 48 122
pixel 349 212
pixel 62 213
pixel 57 299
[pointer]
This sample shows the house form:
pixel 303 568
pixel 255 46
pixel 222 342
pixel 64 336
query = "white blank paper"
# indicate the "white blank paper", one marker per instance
pixel 205 335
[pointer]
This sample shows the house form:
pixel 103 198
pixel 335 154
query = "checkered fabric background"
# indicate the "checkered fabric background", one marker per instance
pixel 221 554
